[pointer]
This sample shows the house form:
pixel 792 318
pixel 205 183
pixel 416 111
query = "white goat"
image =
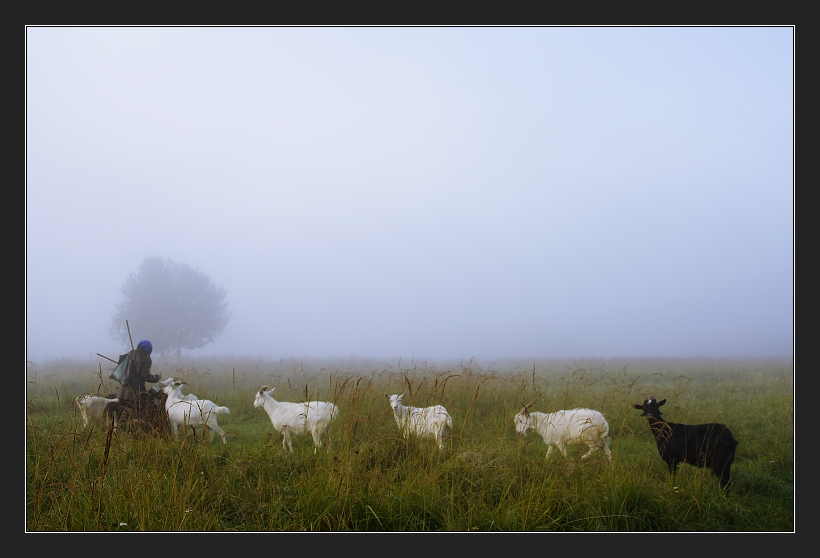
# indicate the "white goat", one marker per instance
pixel 92 405
pixel 297 418
pixel 424 422
pixel 196 412
pixel 562 428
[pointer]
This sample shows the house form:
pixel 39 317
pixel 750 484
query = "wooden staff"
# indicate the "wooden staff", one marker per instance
pixel 105 357
pixel 129 334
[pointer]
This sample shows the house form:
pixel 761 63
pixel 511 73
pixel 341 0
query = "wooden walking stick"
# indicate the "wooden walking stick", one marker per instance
pixel 129 334
pixel 105 357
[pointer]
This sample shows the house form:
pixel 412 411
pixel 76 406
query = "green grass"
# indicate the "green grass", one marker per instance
pixel 371 479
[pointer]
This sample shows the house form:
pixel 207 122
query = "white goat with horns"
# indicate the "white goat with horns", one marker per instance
pixel 424 422
pixel 192 412
pixel 297 418
pixel 567 427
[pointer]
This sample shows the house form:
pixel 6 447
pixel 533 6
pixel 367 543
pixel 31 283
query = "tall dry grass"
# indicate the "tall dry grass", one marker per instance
pixel 371 479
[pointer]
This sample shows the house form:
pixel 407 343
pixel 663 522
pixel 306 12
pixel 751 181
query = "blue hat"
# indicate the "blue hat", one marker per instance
pixel 146 346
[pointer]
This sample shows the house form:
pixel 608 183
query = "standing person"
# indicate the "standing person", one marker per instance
pixel 133 385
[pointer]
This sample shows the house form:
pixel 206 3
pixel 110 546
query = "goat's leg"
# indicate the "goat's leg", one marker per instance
pixel 221 433
pixel 325 438
pixel 115 416
pixel 722 472
pixel 286 443
pixel 724 476
pixel 592 449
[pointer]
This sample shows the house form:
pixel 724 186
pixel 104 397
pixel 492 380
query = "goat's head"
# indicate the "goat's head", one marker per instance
pixel 395 400
pixel 259 400
pixel 523 423
pixel 173 385
pixel 157 397
pixel 650 408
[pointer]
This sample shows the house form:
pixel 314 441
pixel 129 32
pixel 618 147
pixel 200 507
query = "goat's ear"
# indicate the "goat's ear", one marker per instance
pixel 639 407
pixel 660 403
pixel 402 395
pixel 387 396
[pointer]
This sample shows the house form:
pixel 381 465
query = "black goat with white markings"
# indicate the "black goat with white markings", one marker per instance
pixel 702 445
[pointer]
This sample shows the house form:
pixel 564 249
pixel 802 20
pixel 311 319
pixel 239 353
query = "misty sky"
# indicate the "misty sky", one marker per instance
pixel 424 192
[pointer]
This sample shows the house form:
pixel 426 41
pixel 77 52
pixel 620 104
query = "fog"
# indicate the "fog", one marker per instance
pixel 418 192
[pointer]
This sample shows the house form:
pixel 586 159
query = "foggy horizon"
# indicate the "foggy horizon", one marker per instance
pixel 429 194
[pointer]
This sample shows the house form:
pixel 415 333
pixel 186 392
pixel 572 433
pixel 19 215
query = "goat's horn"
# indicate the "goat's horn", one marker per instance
pixel 533 402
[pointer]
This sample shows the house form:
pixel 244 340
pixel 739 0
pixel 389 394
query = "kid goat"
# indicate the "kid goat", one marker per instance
pixel 424 422
pixel 297 418
pixel 567 427
pixel 702 445
pixel 195 412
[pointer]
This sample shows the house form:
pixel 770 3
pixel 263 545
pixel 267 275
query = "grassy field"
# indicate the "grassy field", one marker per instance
pixel 370 479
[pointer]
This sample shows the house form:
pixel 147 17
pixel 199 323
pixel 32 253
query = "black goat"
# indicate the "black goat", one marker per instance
pixel 146 412
pixel 702 445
